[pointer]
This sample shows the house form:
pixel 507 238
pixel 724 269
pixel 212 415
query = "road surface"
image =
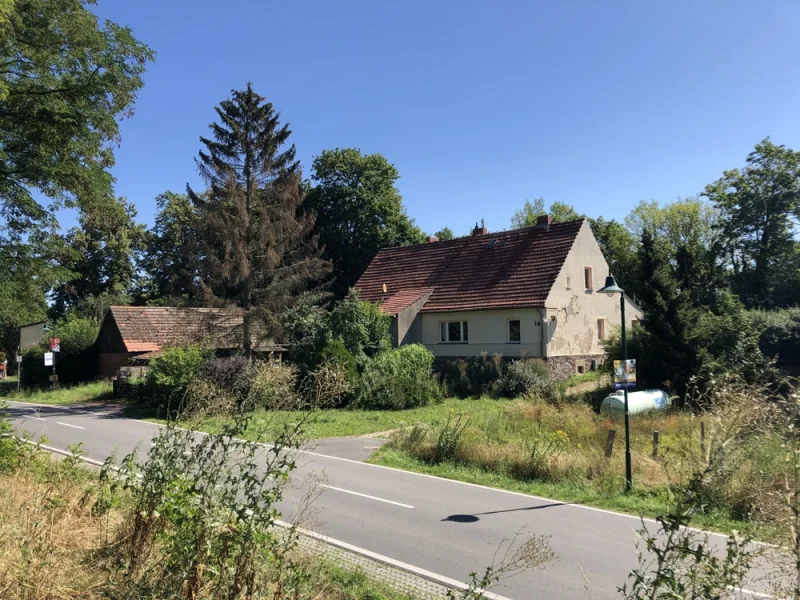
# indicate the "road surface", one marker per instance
pixel 447 527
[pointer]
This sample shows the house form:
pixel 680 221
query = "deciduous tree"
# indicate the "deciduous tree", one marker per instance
pixel 359 210
pixel 559 212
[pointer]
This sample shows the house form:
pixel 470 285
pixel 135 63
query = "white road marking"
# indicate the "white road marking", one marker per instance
pixel 35 418
pixel 372 447
pixel 68 425
pixel 330 487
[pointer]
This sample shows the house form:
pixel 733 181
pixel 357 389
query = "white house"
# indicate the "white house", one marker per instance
pixel 530 292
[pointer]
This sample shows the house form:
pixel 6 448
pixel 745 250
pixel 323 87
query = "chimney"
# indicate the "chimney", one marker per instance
pixel 543 221
pixel 431 238
pixel 480 230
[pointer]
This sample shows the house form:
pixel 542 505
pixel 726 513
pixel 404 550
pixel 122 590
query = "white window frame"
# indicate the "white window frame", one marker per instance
pixel 508 331
pixel 588 279
pixel 444 332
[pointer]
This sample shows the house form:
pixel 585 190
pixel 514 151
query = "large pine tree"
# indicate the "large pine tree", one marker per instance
pixel 257 254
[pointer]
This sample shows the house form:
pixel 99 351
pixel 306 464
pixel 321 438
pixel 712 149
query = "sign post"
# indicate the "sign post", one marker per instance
pixel 19 371
pixel 55 346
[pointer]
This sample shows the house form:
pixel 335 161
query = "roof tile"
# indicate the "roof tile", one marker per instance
pixel 509 269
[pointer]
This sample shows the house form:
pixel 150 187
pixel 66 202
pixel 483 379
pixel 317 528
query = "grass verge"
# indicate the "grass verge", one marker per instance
pixel 96 391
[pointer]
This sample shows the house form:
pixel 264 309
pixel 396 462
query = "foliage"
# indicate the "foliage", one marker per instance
pixel 257 253
pixel 450 438
pixel 336 355
pixel 618 243
pixel 445 234
pixel 272 386
pixel 399 379
pixel 354 197
pixel 69 80
pixel 685 222
pixel 470 376
pixel 760 207
pixel 779 333
pixel 306 330
pixel 361 327
pixel 559 212
pixel 527 377
pixel 75 363
pixel 100 254
pixel 231 374
pixel 171 259
pixel 171 372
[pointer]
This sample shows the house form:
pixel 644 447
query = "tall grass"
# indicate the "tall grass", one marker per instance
pixel 95 391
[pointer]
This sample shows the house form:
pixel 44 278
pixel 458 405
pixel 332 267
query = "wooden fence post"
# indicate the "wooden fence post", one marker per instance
pixel 612 433
pixel 703 439
pixel 656 439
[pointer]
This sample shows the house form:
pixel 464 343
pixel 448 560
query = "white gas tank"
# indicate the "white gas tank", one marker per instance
pixel 638 402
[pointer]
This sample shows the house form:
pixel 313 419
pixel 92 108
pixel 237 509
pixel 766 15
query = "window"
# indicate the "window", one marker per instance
pixel 514 331
pixel 569 282
pixel 453 331
pixel 601 329
pixel 587 278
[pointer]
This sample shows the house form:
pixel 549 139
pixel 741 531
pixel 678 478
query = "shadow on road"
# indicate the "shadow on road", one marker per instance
pixel 476 517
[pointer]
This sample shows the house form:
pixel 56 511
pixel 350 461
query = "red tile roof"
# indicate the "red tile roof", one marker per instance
pixel 152 328
pixel 399 301
pixel 509 269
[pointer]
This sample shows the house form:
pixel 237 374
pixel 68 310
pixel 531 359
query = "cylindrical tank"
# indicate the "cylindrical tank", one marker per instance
pixel 638 402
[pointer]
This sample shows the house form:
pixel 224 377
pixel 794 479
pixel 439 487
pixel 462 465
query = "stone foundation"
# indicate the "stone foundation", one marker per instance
pixel 563 367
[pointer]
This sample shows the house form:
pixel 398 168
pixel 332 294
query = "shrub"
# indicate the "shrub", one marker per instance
pixel 273 385
pixel 307 329
pixel 449 441
pixel 399 379
pixel 170 374
pixel 528 377
pixel 75 363
pixel 779 333
pixel 231 374
pixel 361 327
pixel 471 376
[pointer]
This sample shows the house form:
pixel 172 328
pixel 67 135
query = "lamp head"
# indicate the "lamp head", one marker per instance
pixel 611 287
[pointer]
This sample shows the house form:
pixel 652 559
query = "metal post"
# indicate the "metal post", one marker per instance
pixel 628 466
pixel 54 357
pixel 19 372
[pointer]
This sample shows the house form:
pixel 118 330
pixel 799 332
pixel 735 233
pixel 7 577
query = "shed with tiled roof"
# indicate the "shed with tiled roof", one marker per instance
pixel 129 333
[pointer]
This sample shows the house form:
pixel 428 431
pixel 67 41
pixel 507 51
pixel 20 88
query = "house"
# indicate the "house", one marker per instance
pixel 134 334
pixel 32 335
pixel 527 292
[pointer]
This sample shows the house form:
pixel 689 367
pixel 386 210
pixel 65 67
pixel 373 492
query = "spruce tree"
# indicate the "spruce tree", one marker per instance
pixel 257 254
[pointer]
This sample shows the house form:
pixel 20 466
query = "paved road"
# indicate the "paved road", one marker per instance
pixel 443 526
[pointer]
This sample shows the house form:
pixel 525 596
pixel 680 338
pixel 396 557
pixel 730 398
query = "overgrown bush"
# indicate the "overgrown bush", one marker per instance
pixel 75 363
pixel 231 374
pixel 779 333
pixel 470 376
pixel 170 373
pixel 273 385
pixel 307 330
pixel 528 377
pixel 399 379
pixel 339 358
pixel 361 327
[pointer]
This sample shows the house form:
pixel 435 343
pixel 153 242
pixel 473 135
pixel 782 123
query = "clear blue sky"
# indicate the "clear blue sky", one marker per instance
pixel 479 104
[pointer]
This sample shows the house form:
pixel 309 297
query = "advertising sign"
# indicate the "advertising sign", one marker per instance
pixel 625 374
pixel 55 344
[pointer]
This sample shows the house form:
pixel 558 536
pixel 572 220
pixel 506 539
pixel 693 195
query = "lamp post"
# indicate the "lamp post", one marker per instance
pixel 612 288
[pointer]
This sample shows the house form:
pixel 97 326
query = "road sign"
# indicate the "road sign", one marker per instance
pixel 19 358
pixel 55 344
pixel 53 378
pixel 48 359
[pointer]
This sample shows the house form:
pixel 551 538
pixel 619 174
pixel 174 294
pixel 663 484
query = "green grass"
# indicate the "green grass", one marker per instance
pixel 96 391
pixel 343 422
pixel 644 502
pixel 583 378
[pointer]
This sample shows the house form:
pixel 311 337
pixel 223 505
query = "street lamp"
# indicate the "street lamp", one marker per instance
pixel 612 288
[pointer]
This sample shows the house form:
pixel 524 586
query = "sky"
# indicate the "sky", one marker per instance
pixel 479 104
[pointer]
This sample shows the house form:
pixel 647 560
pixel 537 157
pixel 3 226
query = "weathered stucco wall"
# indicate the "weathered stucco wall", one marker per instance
pixel 403 329
pixel 576 310
pixel 488 332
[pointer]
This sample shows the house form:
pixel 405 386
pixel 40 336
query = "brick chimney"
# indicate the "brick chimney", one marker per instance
pixel 543 221
pixel 431 238
pixel 480 230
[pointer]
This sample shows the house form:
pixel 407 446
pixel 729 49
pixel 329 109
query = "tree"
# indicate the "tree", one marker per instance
pixel 760 207
pixel 100 254
pixel 26 278
pixel 361 327
pixel 64 82
pixel 618 243
pixel 171 260
pixel 359 211
pixel 444 234
pixel 559 212
pixel 257 254
pixel 685 222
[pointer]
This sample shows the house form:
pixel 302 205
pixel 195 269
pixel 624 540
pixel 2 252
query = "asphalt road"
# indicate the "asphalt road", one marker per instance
pixel 443 526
